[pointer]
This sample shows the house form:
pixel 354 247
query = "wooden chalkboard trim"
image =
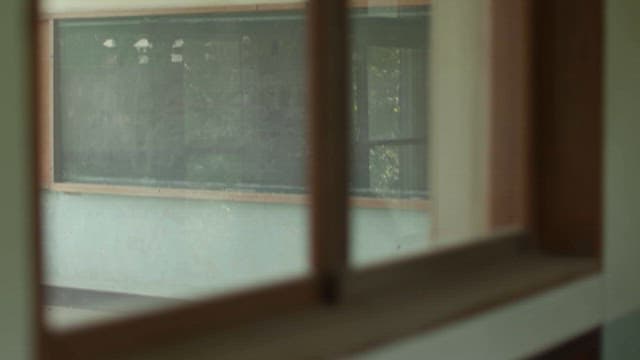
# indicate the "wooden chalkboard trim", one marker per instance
pixel 234 196
pixel 45 101
pixel 219 9
pixel 390 203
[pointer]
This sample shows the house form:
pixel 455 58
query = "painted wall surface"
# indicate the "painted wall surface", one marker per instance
pixel 621 338
pixel 622 171
pixel 184 248
pixel 171 248
pixel 16 300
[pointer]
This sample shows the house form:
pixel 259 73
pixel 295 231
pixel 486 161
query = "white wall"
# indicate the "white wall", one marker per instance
pixel 184 248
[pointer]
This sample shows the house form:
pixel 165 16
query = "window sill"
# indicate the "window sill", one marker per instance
pixel 332 332
pixel 233 196
pixel 434 291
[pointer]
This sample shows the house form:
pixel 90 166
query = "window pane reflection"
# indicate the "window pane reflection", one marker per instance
pixel 389 146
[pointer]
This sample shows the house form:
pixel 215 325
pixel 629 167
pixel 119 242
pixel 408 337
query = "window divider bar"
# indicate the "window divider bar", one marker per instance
pixel 510 121
pixel 329 129
pixel 567 194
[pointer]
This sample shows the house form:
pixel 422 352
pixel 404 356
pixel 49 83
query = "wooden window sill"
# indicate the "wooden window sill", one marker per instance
pixel 375 320
pixel 234 196
pixel 378 308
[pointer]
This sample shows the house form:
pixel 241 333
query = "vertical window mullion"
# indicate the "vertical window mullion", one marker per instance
pixel 361 175
pixel 329 99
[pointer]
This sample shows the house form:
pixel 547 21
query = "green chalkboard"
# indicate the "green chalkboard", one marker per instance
pixel 219 102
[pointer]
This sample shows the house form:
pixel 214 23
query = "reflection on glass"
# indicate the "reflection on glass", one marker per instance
pixel 389 133
pixel 179 160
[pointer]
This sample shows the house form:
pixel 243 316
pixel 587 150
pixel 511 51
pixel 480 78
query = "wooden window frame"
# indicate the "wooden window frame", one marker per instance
pixel 546 70
pixel 46 118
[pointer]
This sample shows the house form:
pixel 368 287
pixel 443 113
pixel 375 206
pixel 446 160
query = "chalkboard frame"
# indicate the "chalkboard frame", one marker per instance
pixel 47 178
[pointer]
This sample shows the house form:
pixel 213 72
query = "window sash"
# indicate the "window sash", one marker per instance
pixel 574 20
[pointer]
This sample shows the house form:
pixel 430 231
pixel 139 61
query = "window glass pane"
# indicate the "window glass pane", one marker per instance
pixel 443 167
pixel 179 160
pixel 389 132
pixel 388 78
